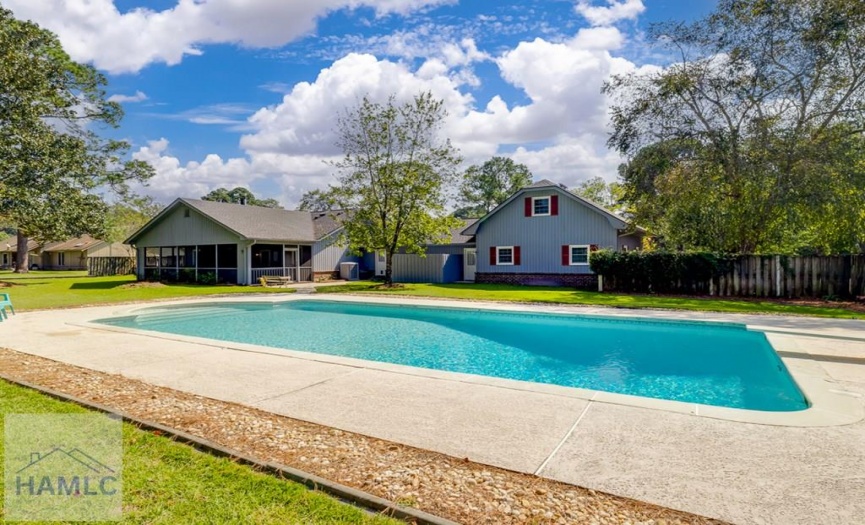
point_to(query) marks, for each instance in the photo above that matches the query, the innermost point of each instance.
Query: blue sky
(226, 93)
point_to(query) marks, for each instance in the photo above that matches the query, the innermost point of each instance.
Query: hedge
(658, 271)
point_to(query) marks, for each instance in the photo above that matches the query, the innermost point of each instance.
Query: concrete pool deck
(674, 454)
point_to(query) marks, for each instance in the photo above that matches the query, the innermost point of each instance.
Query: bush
(658, 271)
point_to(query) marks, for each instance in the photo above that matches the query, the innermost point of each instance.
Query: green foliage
(394, 176)
(599, 191)
(750, 141)
(52, 164)
(488, 185)
(239, 196)
(315, 200)
(125, 217)
(657, 271)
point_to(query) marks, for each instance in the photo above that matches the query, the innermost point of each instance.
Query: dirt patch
(142, 284)
(450, 487)
(6, 284)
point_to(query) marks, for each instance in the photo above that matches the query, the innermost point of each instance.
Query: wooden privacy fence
(776, 276)
(100, 266)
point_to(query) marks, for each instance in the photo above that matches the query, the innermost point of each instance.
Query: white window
(505, 255)
(540, 206)
(381, 257)
(61, 259)
(579, 254)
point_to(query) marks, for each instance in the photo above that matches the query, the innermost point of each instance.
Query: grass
(168, 482)
(41, 289)
(561, 295)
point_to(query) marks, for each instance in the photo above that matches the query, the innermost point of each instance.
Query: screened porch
(293, 261)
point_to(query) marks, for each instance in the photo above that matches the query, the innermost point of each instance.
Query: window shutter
(554, 205)
(528, 206)
(492, 255)
(593, 247)
(566, 255)
(516, 255)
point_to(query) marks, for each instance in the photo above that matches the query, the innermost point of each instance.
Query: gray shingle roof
(11, 244)
(457, 236)
(256, 222)
(327, 222)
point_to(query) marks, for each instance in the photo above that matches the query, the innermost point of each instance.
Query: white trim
(498, 256)
(571, 247)
(549, 199)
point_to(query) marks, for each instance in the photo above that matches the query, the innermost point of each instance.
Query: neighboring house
(70, 254)
(9, 247)
(203, 241)
(544, 234)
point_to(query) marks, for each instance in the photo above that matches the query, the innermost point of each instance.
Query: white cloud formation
(96, 31)
(139, 96)
(614, 11)
(559, 131)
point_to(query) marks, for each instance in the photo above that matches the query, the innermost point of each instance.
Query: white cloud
(560, 130)
(139, 96)
(96, 31)
(614, 11)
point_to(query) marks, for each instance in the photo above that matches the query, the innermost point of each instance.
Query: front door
(291, 263)
(470, 263)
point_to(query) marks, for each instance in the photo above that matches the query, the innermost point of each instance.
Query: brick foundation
(573, 280)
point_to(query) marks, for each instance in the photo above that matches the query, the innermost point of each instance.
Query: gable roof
(72, 245)
(256, 222)
(457, 235)
(11, 244)
(615, 221)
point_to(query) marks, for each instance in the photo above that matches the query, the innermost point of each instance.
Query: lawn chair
(4, 302)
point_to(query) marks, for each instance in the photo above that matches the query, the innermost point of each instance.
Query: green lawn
(40, 289)
(560, 295)
(167, 482)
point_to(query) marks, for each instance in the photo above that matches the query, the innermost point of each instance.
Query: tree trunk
(388, 269)
(22, 257)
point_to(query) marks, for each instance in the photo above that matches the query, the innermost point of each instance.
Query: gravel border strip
(447, 486)
(311, 481)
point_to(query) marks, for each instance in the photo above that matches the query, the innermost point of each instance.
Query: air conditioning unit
(350, 271)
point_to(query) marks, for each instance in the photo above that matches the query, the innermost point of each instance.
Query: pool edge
(830, 404)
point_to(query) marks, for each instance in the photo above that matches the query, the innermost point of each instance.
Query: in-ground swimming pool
(707, 363)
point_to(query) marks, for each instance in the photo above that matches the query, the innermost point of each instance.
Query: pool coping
(831, 404)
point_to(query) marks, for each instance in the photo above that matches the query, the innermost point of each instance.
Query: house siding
(434, 268)
(540, 238)
(327, 255)
(176, 230)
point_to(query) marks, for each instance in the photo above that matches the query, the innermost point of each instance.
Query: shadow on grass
(99, 285)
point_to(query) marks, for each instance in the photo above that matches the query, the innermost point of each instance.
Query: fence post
(600, 283)
(777, 276)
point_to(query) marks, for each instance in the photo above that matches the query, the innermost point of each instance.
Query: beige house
(73, 254)
(9, 247)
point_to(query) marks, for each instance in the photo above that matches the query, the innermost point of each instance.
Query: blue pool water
(712, 364)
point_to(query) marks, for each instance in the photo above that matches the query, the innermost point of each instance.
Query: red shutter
(516, 255)
(554, 205)
(492, 255)
(566, 255)
(528, 206)
(593, 248)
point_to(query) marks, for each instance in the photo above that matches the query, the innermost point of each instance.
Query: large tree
(53, 164)
(487, 185)
(315, 200)
(749, 126)
(394, 176)
(607, 194)
(126, 217)
(240, 196)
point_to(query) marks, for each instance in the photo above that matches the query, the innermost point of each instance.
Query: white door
(380, 263)
(470, 262)
(291, 263)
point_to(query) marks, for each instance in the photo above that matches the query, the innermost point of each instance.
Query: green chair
(4, 302)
